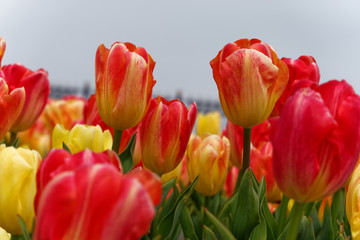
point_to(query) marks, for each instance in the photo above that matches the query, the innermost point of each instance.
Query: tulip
(208, 123)
(59, 161)
(37, 90)
(66, 112)
(17, 186)
(4, 235)
(164, 134)
(124, 83)
(2, 48)
(176, 173)
(353, 204)
(303, 72)
(250, 79)
(81, 137)
(316, 141)
(11, 104)
(93, 202)
(230, 182)
(208, 158)
(261, 164)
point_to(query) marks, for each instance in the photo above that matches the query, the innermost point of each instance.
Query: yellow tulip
(208, 123)
(4, 235)
(81, 137)
(353, 204)
(18, 169)
(208, 158)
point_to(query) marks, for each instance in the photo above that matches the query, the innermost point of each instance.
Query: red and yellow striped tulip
(124, 82)
(250, 79)
(11, 104)
(164, 134)
(208, 158)
(37, 90)
(316, 141)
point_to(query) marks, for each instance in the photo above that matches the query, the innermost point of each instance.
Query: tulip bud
(81, 137)
(316, 141)
(2, 48)
(208, 158)
(208, 123)
(250, 79)
(124, 83)
(11, 104)
(164, 134)
(37, 90)
(17, 186)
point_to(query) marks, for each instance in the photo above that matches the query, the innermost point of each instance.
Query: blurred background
(181, 36)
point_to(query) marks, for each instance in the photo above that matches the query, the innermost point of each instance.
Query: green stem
(207, 205)
(12, 138)
(295, 218)
(117, 140)
(246, 154)
(282, 214)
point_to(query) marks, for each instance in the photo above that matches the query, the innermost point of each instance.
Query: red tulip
(37, 90)
(11, 103)
(124, 83)
(93, 202)
(59, 160)
(164, 134)
(250, 79)
(2, 48)
(316, 141)
(303, 72)
(92, 117)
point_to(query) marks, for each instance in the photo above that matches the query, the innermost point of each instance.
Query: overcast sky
(182, 36)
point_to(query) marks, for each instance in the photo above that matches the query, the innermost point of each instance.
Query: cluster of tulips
(124, 165)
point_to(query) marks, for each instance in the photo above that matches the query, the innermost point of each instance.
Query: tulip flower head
(124, 83)
(37, 90)
(208, 123)
(81, 137)
(250, 79)
(11, 104)
(353, 204)
(316, 141)
(164, 134)
(208, 158)
(18, 169)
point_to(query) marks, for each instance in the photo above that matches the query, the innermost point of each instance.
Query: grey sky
(182, 36)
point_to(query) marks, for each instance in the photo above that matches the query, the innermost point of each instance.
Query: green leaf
(166, 187)
(223, 231)
(126, 156)
(337, 208)
(314, 215)
(208, 234)
(187, 225)
(16, 143)
(259, 232)
(168, 222)
(306, 230)
(328, 230)
(24, 230)
(280, 215)
(228, 206)
(66, 148)
(246, 210)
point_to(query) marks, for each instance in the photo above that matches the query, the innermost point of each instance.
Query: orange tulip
(2, 48)
(124, 83)
(250, 79)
